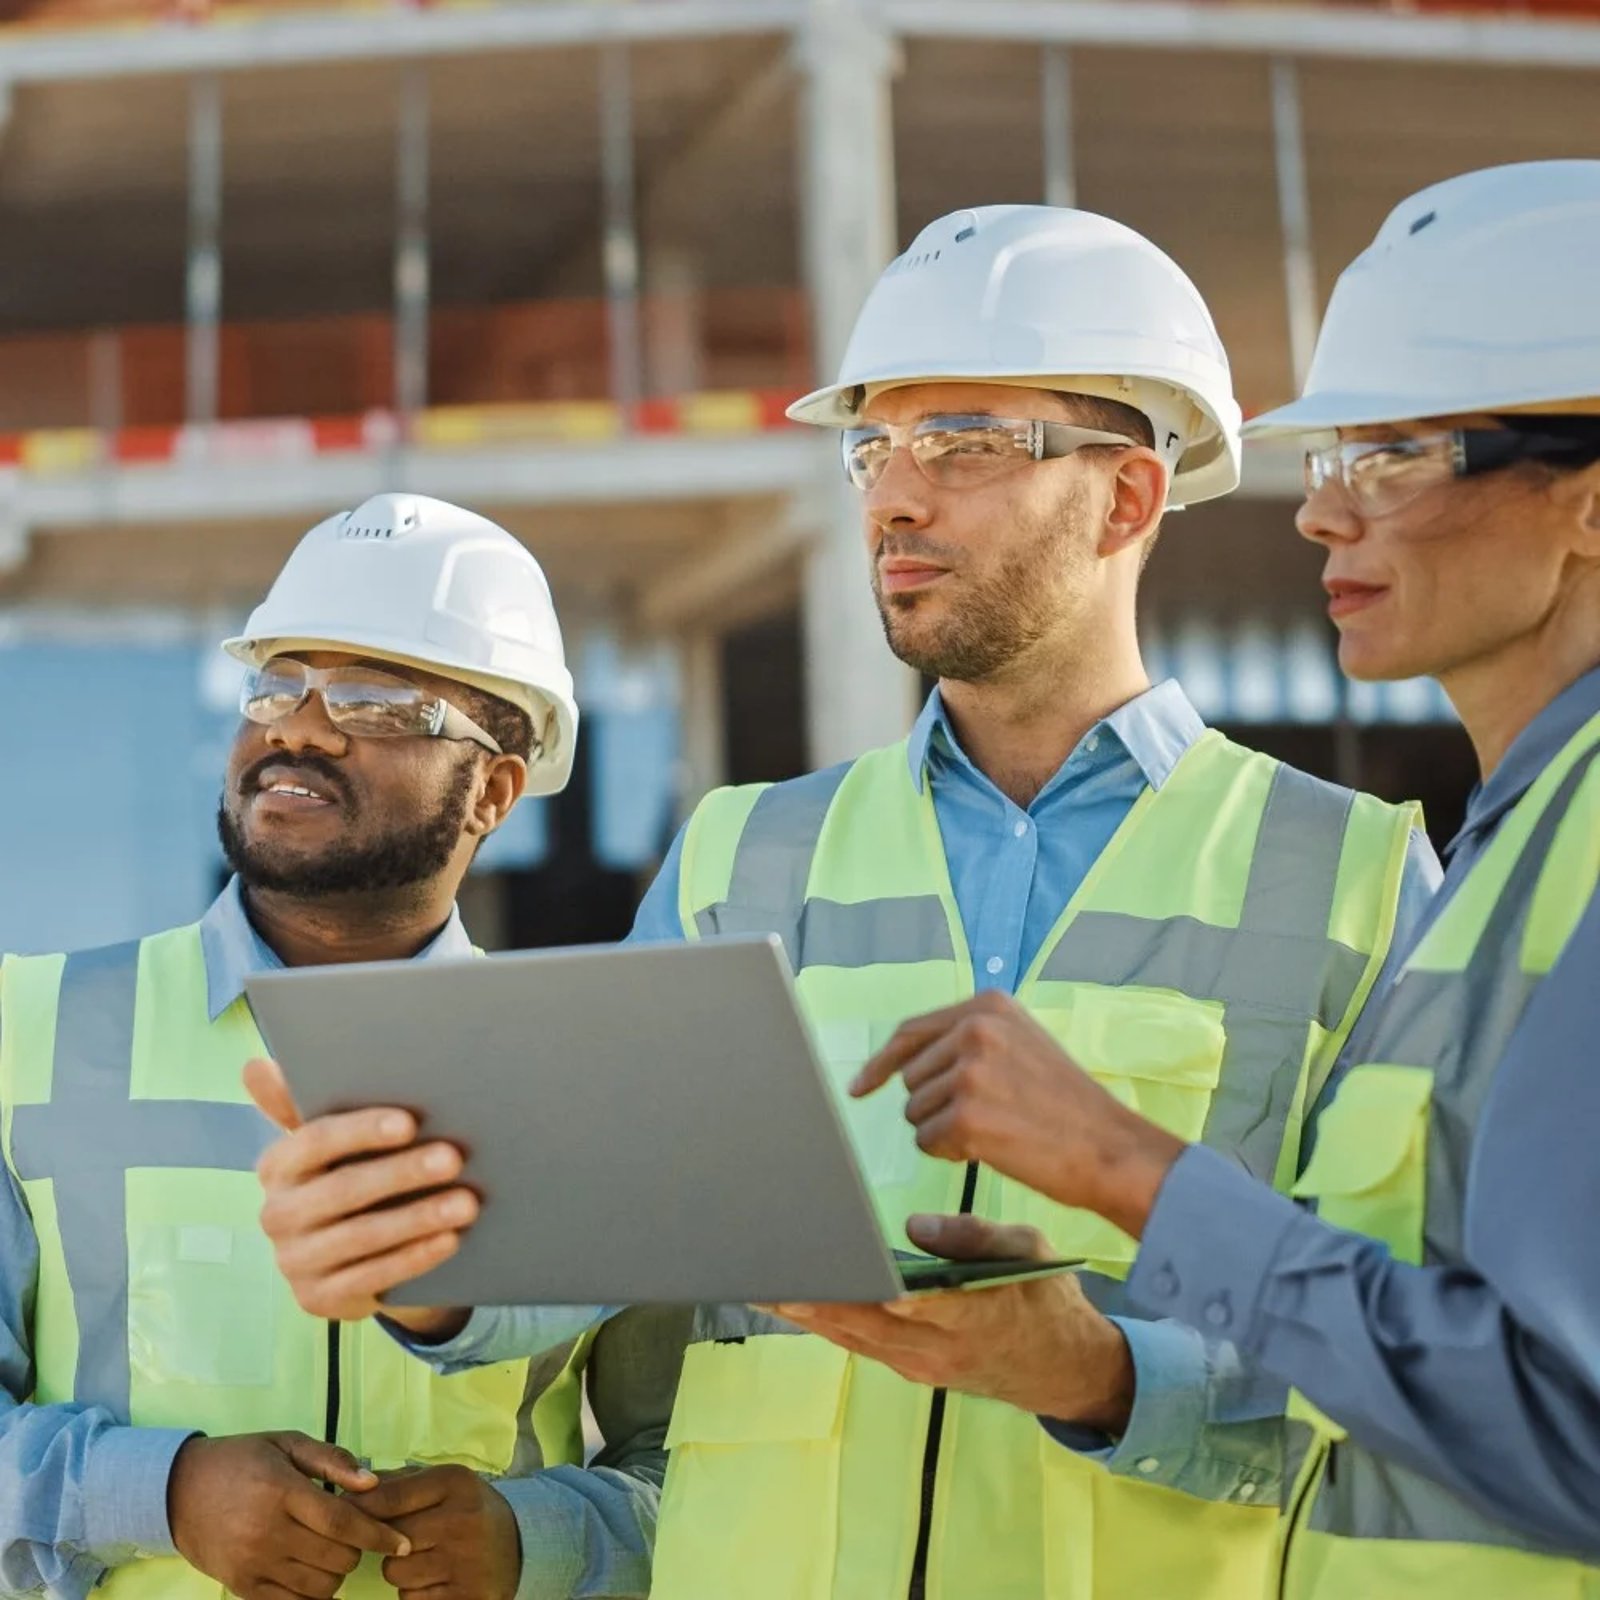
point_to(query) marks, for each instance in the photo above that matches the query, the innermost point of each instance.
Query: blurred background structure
(566, 261)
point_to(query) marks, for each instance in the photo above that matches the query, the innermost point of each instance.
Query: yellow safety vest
(123, 1119)
(1391, 1158)
(1206, 971)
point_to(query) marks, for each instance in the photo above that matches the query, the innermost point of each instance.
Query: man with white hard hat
(1026, 392)
(166, 1409)
(1437, 1309)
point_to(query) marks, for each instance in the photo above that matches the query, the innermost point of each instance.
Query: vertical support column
(1055, 103)
(620, 243)
(1294, 212)
(857, 694)
(203, 279)
(411, 268)
(705, 755)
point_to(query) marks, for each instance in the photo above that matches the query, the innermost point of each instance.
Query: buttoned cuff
(1210, 1246)
(125, 1492)
(1169, 1405)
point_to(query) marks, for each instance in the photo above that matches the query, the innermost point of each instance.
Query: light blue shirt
(1483, 1376)
(1013, 870)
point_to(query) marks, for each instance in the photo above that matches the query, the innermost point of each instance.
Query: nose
(901, 498)
(1327, 517)
(308, 727)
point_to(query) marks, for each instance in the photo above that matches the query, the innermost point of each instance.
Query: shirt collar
(1156, 729)
(233, 950)
(1531, 752)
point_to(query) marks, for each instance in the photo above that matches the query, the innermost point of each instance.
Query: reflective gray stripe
(1284, 972)
(1457, 1024)
(772, 862)
(1294, 874)
(872, 932)
(1370, 1498)
(1272, 977)
(91, 1133)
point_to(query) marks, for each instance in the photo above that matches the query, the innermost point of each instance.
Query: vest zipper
(330, 1424)
(1299, 1506)
(930, 1451)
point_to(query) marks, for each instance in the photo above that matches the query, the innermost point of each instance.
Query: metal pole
(857, 694)
(203, 280)
(620, 241)
(1055, 92)
(1294, 211)
(411, 287)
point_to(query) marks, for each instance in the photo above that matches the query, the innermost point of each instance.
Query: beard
(998, 617)
(404, 856)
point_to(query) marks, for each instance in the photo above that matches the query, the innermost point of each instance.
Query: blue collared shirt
(1013, 870)
(1485, 1376)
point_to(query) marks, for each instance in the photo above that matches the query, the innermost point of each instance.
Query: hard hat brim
(1322, 413)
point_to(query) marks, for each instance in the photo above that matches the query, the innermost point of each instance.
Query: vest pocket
(754, 1441)
(203, 1289)
(1157, 1053)
(1368, 1172)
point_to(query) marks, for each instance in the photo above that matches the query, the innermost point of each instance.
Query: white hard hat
(1048, 298)
(1478, 294)
(418, 581)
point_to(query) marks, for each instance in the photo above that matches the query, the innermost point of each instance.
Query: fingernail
(929, 1227)
(458, 1208)
(441, 1158)
(405, 1548)
(395, 1125)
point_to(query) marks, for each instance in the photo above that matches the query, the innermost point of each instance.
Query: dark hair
(1111, 416)
(510, 726)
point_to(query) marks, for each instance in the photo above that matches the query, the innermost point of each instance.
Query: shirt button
(1218, 1313)
(1166, 1283)
(1020, 829)
(1245, 1491)
(1147, 1465)
(994, 965)
(1092, 743)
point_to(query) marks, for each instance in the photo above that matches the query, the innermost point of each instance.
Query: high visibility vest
(124, 1121)
(1392, 1154)
(1206, 972)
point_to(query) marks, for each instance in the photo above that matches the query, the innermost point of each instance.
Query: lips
(281, 786)
(899, 573)
(1346, 596)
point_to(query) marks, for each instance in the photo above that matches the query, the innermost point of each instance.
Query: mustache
(308, 763)
(899, 546)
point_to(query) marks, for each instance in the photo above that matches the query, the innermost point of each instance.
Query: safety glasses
(1380, 476)
(360, 700)
(956, 452)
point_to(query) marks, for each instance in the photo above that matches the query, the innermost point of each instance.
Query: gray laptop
(644, 1123)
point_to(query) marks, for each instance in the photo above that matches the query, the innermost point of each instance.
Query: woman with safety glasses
(1436, 1310)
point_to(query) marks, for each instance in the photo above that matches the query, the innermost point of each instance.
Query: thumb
(328, 1462)
(969, 1238)
(270, 1091)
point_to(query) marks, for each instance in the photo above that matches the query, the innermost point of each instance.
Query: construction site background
(566, 261)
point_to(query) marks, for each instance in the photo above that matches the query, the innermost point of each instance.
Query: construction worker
(166, 1410)
(1026, 392)
(1439, 1315)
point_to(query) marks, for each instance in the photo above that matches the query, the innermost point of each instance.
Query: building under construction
(566, 262)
